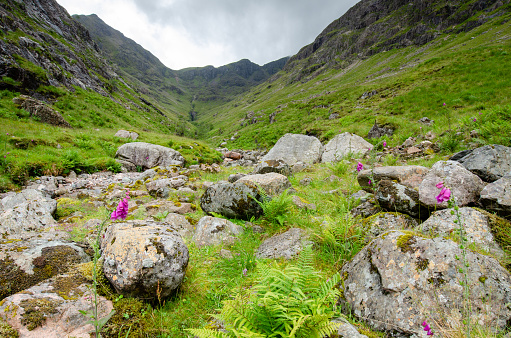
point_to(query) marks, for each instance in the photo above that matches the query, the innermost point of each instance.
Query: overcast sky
(196, 33)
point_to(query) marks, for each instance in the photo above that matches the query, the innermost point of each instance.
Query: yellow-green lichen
(37, 310)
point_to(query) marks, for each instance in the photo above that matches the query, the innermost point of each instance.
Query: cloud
(186, 33)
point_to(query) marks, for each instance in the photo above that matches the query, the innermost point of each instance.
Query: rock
(305, 181)
(382, 222)
(464, 185)
(409, 175)
(233, 155)
(24, 263)
(293, 148)
(232, 200)
(302, 204)
(226, 254)
(272, 183)
(234, 177)
(214, 231)
(161, 188)
(344, 144)
(409, 142)
(26, 211)
(378, 131)
(286, 245)
(490, 162)
(365, 209)
(393, 196)
(181, 224)
(141, 257)
(51, 308)
(399, 277)
(496, 196)
(361, 195)
(41, 111)
(346, 330)
(126, 134)
(272, 166)
(146, 156)
(333, 116)
(477, 225)
(426, 121)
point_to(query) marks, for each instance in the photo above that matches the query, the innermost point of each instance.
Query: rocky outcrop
(342, 145)
(496, 197)
(393, 196)
(383, 222)
(141, 257)
(214, 231)
(295, 148)
(41, 111)
(272, 166)
(490, 162)
(147, 155)
(272, 183)
(286, 245)
(409, 175)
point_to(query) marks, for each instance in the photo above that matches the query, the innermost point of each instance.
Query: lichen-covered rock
(51, 308)
(382, 222)
(26, 211)
(465, 187)
(179, 222)
(126, 134)
(234, 177)
(399, 279)
(141, 257)
(302, 204)
(24, 263)
(272, 166)
(408, 175)
(232, 200)
(161, 188)
(294, 148)
(346, 330)
(342, 145)
(286, 245)
(366, 209)
(272, 183)
(147, 155)
(490, 162)
(477, 227)
(496, 196)
(393, 196)
(214, 231)
(40, 110)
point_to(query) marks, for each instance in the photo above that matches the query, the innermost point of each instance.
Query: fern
(289, 303)
(275, 208)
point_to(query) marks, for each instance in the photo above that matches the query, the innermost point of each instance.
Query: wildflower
(427, 328)
(440, 185)
(370, 183)
(384, 144)
(480, 113)
(444, 195)
(360, 166)
(147, 157)
(444, 104)
(245, 272)
(122, 209)
(475, 119)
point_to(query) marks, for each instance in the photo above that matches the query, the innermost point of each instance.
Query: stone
(286, 245)
(215, 231)
(382, 222)
(393, 196)
(378, 131)
(51, 308)
(234, 177)
(126, 134)
(272, 166)
(400, 279)
(302, 204)
(365, 209)
(161, 188)
(272, 183)
(233, 155)
(232, 200)
(344, 144)
(477, 227)
(408, 175)
(147, 155)
(426, 121)
(346, 330)
(490, 162)
(293, 148)
(226, 254)
(465, 186)
(361, 196)
(41, 111)
(181, 224)
(305, 181)
(143, 257)
(28, 210)
(409, 142)
(496, 197)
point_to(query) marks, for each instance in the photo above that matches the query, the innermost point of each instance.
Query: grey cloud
(262, 30)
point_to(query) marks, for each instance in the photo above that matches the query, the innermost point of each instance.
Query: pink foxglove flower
(360, 166)
(370, 183)
(384, 144)
(122, 209)
(427, 328)
(440, 185)
(444, 195)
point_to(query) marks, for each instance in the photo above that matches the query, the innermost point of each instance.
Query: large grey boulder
(496, 196)
(399, 280)
(214, 231)
(141, 257)
(295, 148)
(271, 183)
(382, 222)
(465, 187)
(126, 134)
(28, 210)
(342, 145)
(490, 162)
(147, 155)
(408, 175)
(51, 308)
(477, 227)
(162, 187)
(286, 245)
(232, 200)
(272, 166)
(396, 197)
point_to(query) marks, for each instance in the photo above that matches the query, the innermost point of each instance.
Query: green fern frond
(208, 333)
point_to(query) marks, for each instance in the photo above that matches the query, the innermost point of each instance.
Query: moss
(436, 281)
(6, 330)
(130, 315)
(65, 207)
(36, 311)
(422, 264)
(483, 279)
(104, 286)
(405, 241)
(66, 286)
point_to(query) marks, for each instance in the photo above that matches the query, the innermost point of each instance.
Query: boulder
(286, 245)
(272, 183)
(347, 330)
(344, 144)
(272, 166)
(143, 257)
(378, 131)
(234, 177)
(126, 134)
(51, 308)
(490, 162)
(365, 209)
(214, 231)
(294, 148)
(302, 204)
(496, 196)
(393, 196)
(147, 155)
(382, 222)
(232, 200)
(161, 187)
(181, 224)
(465, 187)
(41, 111)
(233, 155)
(408, 175)
(399, 280)
(26, 211)
(477, 225)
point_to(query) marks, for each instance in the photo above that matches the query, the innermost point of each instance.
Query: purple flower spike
(384, 144)
(360, 166)
(475, 119)
(440, 185)
(427, 328)
(444, 104)
(245, 272)
(370, 183)
(444, 195)
(122, 209)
